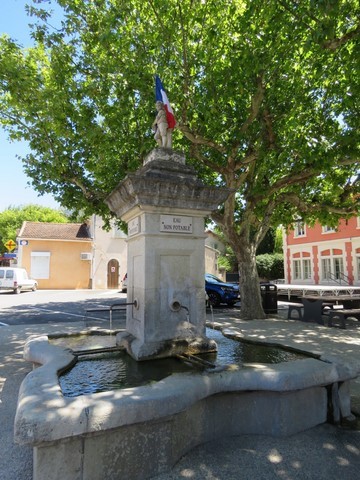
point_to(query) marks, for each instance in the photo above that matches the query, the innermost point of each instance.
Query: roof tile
(55, 231)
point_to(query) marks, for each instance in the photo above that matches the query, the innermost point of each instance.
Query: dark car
(221, 292)
(124, 284)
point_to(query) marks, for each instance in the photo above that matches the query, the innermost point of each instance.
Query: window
(40, 265)
(299, 229)
(297, 269)
(302, 269)
(306, 269)
(325, 268)
(358, 267)
(327, 229)
(338, 268)
(332, 268)
(9, 274)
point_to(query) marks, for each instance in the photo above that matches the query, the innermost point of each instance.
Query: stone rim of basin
(41, 403)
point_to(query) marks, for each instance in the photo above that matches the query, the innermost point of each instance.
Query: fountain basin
(139, 432)
(102, 366)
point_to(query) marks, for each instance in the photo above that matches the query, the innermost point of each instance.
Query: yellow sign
(10, 245)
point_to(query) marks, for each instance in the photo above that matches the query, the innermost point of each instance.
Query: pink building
(322, 255)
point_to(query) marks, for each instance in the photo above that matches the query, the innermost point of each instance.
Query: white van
(16, 279)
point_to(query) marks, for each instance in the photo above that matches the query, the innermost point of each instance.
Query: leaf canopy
(12, 219)
(266, 95)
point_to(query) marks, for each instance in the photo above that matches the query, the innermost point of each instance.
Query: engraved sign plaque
(134, 226)
(176, 224)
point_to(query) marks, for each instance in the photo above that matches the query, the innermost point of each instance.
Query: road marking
(57, 311)
(83, 316)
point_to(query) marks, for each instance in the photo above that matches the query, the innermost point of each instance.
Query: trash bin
(269, 297)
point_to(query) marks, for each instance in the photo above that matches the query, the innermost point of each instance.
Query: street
(67, 306)
(60, 306)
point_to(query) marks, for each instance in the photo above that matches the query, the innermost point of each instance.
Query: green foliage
(266, 95)
(270, 266)
(224, 263)
(257, 89)
(267, 244)
(228, 260)
(12, 219)
(278, 246)
(272, 243)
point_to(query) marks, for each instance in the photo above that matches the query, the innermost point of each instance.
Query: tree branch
(185, 67)
(331, 44)
(292, 179)
(314, 207)
(194, 151)
(270, 135)
(198, 139)
(303, 176)
(334, 43)
(300, 18)
(255, 103)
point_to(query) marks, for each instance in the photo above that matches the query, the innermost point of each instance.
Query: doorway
(113, 274)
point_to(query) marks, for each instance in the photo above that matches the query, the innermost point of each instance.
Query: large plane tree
(266, 96)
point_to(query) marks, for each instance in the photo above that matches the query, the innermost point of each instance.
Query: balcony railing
(339, 278)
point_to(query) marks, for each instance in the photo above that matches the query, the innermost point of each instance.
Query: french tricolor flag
(161, 96)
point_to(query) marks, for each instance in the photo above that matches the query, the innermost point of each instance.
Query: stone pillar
(164, 205)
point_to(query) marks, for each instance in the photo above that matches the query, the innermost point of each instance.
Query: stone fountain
(164, 205)
(139, 432)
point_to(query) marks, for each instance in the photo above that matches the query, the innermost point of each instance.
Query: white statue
(163, 134)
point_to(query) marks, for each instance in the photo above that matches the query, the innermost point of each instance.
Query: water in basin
(109, 371)
(84, 342)
(233, 351)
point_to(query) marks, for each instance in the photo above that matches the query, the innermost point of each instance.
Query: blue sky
(15, 190)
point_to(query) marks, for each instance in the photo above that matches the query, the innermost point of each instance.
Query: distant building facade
(73, 255)
(84, 256)
(213, 248)
(57, 255)
(322, 255)
(109, 262)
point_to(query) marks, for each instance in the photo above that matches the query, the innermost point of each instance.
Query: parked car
(124, 284)
(16, 279)
(221, 292)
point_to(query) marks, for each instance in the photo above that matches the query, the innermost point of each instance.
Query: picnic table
(313, 307)
(348, 301)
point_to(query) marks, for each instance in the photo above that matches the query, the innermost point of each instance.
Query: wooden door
(113, 274)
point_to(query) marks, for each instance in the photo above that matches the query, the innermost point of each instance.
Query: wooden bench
(311, 310)
(342, 315)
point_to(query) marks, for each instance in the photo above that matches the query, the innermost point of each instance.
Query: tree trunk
(251, 303)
